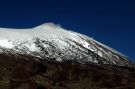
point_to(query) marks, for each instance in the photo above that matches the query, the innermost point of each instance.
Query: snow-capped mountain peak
(52, 41)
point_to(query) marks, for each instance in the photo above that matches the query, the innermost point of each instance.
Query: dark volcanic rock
(27, 72)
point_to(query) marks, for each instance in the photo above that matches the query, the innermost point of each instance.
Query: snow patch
(6, 43)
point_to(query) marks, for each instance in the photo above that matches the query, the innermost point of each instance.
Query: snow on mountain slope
(52, 41)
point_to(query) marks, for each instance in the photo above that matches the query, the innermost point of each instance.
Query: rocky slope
(28, 72)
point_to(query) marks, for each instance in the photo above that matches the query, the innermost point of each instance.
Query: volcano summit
(53, 42)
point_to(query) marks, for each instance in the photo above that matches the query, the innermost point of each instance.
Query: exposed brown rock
(25, 72)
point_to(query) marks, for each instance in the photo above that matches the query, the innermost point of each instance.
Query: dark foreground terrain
(25, 72)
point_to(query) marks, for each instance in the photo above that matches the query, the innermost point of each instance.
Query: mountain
(52, 42)
(50, 57)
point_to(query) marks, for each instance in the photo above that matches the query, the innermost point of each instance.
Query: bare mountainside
(28, 72)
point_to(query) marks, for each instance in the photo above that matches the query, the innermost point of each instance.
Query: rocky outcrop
(27, 72)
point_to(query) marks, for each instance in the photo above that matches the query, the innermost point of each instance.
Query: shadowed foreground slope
(27, 72)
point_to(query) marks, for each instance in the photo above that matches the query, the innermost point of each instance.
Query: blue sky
(111, 22)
